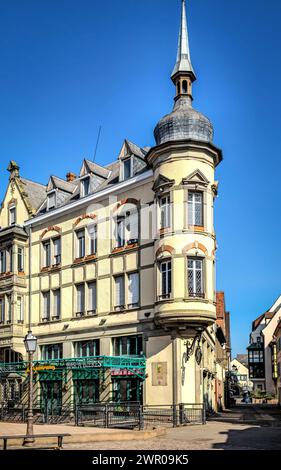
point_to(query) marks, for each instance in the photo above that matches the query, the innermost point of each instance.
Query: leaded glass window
(195, 208)
(195, 277)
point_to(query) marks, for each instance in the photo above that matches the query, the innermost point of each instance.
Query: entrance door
(86, 392)
(52, 397)
(127, 390)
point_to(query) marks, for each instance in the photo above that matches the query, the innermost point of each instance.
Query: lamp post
(30, 343)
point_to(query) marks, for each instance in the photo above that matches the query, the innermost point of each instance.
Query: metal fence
(135, 415)
(112, 415)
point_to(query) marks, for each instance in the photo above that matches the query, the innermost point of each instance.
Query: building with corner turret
(113, 269)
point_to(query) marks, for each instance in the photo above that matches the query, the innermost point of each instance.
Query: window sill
(164, 230)
(50, 320)
(54, 267)
(21, 273)
(5, 275)
(196, 228)
(124, 248)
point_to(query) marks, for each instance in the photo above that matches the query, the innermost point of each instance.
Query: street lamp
(30, 343)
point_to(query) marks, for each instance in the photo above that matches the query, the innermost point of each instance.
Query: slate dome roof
(184, 122)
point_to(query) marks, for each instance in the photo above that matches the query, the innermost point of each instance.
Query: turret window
(165, 211)
(195, 208)
(184, 86)
(195, 277)
(166, 279)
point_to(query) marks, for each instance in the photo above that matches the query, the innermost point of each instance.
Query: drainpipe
(175, 377)
(29, 278)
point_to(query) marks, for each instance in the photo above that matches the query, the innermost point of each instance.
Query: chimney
(70, 177)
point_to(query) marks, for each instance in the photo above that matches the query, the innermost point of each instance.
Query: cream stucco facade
(152, 289)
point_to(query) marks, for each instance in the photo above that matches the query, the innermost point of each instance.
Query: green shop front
(65, 383)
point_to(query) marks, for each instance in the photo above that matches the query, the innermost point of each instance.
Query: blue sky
(69, 66)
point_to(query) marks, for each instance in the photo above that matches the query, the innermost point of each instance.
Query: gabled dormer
(132, 160)
(58, 191)
(91, 177)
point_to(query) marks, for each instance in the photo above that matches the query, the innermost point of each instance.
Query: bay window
(165, 279)
(20, 259)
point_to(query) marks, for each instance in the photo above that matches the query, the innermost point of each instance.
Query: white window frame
(3, 261)
(56, 294)
(165, 295)
(20, 256)
(128, 159)
(82, 183)
(47, 263)
(20, 309)
(194, 271)
(92, 300)
(2, 309)
(78, 254)
(92, 231)
(49, 195)
(133, 297)
(118, 304)
(192, 203)
(164, 211)
(79, 310)
(46, 313)
(12, 209)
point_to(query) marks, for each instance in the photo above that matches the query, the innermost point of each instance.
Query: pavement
(78, 435)
(247, 427)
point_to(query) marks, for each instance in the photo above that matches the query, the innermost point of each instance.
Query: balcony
(10, 279)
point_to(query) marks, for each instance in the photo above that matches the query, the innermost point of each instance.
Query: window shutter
(57, 303)
(80, 298)
(57, 247)
(132, 226)
(92, 296)
(133, 284)
(119, 285)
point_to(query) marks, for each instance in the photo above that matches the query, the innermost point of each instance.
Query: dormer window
(12, 215)
(127, 168)
(85, 187)
(51, 201)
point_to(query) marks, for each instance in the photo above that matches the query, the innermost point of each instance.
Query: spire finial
(183, 64)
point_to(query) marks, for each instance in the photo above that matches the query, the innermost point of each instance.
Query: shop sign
(122, 372)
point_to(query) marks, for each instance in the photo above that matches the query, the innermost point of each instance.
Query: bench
(59, 436)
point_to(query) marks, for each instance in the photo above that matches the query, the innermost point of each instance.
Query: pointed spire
(183, 64)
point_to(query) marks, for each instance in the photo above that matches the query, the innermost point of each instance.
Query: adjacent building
(113, 269)
(241, 371)
(262, 354)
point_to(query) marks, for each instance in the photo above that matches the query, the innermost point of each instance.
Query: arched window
(184, 86)
(179, 88)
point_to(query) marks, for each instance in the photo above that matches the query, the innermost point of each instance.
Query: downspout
(29, 278)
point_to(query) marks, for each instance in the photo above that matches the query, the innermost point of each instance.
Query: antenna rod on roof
(97, 144)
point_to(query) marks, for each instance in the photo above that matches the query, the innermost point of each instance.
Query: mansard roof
(101, 177)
